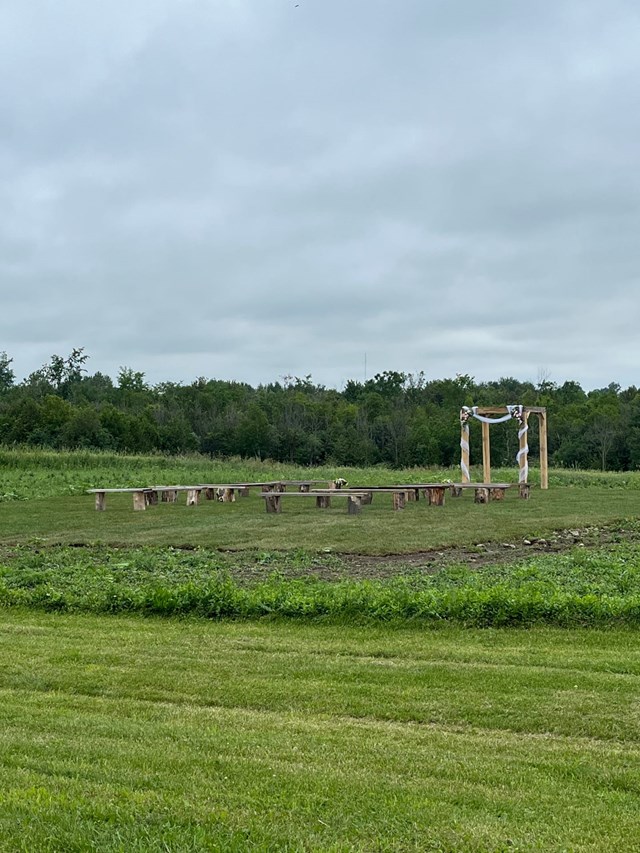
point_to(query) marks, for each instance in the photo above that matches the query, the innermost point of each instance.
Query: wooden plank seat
(147, 495)
(273, 500)
(483, 492)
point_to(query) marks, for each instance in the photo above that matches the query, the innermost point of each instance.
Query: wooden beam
(523, 446)
(464, 451)
(486, 453)
(544, 460)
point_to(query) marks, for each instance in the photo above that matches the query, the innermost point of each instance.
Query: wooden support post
(486, 454)
(544, 460)
(411, 494)
(482, 495)
(464, 452)
(399, 500)
(244, 492)
(367, 498)
(354, 504)
(436, 497)
(228, 496)
(101, 501)
(456, 491)
(193, 497)
(210, 494)
(323, 502)
(525, 491)
(151, 497)
(139, 501)
(273, 503)
(170, 496)
(524, 461)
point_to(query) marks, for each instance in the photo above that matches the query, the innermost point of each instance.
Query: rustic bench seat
(485, 492)
(355, 499)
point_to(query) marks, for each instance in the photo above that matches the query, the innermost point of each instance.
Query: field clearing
(129, 734)
(350, 706)
(378, 530)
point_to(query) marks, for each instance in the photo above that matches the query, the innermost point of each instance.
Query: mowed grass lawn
(378, 530)
(129, 734)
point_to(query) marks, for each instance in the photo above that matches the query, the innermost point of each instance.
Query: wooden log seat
(355, 500)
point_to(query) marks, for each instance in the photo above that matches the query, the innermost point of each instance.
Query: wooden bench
(484, 492)
(273, 500)
(147, 495)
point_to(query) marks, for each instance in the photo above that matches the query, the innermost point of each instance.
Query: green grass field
(351, 703)
(128, 734)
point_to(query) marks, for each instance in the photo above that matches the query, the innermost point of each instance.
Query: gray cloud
(247, 189)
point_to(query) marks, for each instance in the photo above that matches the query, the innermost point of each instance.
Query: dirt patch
(366, 566)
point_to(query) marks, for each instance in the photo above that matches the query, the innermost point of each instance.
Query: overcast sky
(244, 189)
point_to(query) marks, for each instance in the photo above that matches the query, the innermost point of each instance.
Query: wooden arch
(521, 414)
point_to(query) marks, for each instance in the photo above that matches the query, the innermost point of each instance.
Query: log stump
(456, 491)
(497, 494)
(101, 501)
(273, 503)
(139, 501)
(411, 495)
(323, 502)
(210, 494)
(170, 496)
(399, 500)
(354, 504)
(482, 496)
(436, 497)
(193, 497)
(228, 496)
(367, 499)
(525, 491)
(151, 497)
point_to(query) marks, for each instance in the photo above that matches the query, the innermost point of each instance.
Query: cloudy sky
(244, 189)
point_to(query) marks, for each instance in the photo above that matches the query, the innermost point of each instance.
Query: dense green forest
(394, 418)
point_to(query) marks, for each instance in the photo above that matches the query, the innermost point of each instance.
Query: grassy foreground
(124, 734)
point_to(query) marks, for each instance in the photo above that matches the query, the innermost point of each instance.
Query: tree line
(398, 419)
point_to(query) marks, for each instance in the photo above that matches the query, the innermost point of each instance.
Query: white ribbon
(464, 445)
(523, 452)
(473, 411)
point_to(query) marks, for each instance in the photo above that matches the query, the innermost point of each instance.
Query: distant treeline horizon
(395, 418)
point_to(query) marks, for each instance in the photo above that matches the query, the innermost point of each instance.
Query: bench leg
(456, 491)
(482, 496)
(304, 487)
(193, 497)
(151, 497)
(367, 499)
(525, 491)
(101, 501)
(436, 497)
(273, 503)
(497, 494)
(244, 493)
(139, 501)
(411, 494)
(399, 500)
(323, 502)
(229, 496)
(354, 504)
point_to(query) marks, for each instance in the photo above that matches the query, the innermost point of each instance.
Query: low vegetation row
(584, 587)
